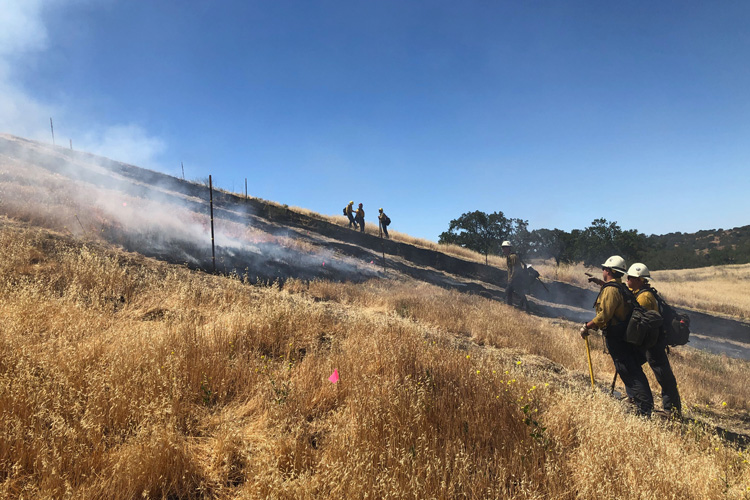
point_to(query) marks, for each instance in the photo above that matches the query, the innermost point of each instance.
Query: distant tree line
(485, 233)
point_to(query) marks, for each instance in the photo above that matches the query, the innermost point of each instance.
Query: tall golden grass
(122, 377)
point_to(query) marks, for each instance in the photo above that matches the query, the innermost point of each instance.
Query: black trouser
(517, 287)
(628, 361)
(385, 229)
(659, 363)
(361, 223)
(352, 221)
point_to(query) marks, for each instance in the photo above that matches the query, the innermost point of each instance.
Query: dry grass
(575, 274)
(121, 377)
(718, 289)
(46, 199)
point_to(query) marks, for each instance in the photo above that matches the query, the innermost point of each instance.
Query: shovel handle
(591, 368)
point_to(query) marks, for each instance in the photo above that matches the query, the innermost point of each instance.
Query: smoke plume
(158, 216)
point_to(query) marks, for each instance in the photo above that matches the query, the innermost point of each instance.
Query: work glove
(596, 280)
(584, 331)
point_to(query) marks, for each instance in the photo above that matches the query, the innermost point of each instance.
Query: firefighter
(612, 314)
(349, 211)
(639, 283)
(383, 220)
(516, 276)
(360, 218)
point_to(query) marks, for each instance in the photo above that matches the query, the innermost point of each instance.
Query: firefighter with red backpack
(612, 314)
(638, 277)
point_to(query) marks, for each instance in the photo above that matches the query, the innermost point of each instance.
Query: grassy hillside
(124, 377)
(703, 248)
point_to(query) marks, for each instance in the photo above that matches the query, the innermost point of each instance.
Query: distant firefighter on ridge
(384, 221)
(360, 218)
(349, 212)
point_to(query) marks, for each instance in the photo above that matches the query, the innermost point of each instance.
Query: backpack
(643, 326)
(386, 220)
(531, 273)
(344, 210)
(676, 325)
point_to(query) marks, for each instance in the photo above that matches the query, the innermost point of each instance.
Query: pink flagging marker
(334, 376)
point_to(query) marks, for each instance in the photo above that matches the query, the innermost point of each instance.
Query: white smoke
(22, 35)
(129, 143)
(21, 29)
(160, 216)
(24, 41)
(163, 224)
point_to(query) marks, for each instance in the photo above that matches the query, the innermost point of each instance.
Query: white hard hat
(616, 263)
(639, 270)
(506, 243)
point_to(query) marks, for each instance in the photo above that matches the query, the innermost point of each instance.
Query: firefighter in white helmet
(516, 276)
(612, 315)
(638, 279)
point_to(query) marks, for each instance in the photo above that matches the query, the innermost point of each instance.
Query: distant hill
(709, 247)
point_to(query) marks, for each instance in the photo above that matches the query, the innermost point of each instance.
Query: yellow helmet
(351, 203)
(380, 209)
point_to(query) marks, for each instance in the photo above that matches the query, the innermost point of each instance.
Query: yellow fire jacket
(610, 307)
(646, 298)
(514, 266)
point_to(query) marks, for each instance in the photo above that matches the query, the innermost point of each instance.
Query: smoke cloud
(158, 216)
(24, 41)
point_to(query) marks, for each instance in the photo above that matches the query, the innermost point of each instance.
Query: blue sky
(554, 112)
